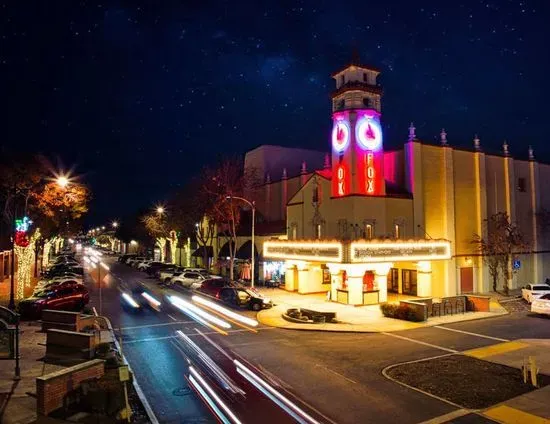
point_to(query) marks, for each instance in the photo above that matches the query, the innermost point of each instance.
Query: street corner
(463, 381)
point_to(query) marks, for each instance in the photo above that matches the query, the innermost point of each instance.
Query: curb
(286, 327)
(150, 414)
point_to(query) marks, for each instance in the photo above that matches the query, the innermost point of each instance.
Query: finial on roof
(443, 137)
(268, 178)
(284, 174)
(327, 161)
(505, 148)
(477, 144)
(412, 134)
(531, 153)
(304, 168)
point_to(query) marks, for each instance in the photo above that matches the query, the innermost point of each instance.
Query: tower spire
(412, 133)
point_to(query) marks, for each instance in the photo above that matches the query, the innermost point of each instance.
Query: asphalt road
(334, 377)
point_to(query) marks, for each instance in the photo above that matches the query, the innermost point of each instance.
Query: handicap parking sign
(516, 264)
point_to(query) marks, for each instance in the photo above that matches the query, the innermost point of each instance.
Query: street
(333, 377)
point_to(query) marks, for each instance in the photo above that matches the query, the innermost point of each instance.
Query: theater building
(364, 221)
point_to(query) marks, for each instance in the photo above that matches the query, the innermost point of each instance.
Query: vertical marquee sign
(368, 134)
(341, 138)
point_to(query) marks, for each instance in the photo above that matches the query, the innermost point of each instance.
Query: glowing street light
(62, 181)
(160, 210)
(114, 224)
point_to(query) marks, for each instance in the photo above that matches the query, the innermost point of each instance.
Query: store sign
(370, 171)
(392, 252)
(340, 134)
(341, 175)
(306, 251)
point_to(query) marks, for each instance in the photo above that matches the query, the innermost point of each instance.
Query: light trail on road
(199, 315)
(222, 310)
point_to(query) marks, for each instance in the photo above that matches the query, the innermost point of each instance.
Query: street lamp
(62, 181)
(160, 210)
(114, 224)
(252, 204)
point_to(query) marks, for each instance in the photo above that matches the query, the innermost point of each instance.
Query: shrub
(402, 311)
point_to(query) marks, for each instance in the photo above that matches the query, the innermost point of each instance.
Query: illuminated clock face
(340, 135)
(368, 133)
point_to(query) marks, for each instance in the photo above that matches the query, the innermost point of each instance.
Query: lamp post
(252, 204)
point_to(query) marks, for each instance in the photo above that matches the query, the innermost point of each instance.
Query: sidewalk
(352, 319)
(532, 407)
(18, 398)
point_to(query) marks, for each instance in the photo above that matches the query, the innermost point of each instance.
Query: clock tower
(357, 143)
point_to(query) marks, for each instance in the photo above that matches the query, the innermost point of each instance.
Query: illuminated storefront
(365, 221)
(358, 272)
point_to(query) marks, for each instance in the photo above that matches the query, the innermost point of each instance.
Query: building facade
(362, 221)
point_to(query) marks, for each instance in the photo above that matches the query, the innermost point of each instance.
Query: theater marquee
(361, 252)
(304, 251)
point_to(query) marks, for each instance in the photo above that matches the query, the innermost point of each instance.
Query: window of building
(409, 278)
(366, 102)
(293, 231)
(521, 184)
(318, 231)
(369, 231)
(342, 79)
(397, 231)
(364, 76)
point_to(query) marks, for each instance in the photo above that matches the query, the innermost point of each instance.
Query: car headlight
(266, 300)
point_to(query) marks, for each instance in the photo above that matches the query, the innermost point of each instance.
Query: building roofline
(355, 65)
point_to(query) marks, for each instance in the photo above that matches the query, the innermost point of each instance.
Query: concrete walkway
(365, 319)
(18, 398)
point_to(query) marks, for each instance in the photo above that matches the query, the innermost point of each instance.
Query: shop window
(393, 280)
(521, 185)
(409, 278)
(326, 276)
(368, 281)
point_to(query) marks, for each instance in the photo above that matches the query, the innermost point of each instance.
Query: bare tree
(504, 241)
(220, 184)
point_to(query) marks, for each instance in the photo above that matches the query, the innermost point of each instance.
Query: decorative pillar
(291, 275)
(534, 188)
(424, 279)
(268, 194)
(481, 275)
(303, 174)
(450, 283)
(381, 280)
(355, 275)
(413, 181)
(284, 193)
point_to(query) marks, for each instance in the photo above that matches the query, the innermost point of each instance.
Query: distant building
(362, 222)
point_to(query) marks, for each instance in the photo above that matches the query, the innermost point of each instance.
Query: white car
(143, 265)
(166, 274)
(541, 305)
(533, 291)
(189, 279)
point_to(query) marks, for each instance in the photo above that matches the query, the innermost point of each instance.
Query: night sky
(139, 95)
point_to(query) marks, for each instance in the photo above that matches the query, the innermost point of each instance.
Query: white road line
(336, 373)
(155, 325)
(152, 339)
(448, 417)
(172, 317)
(419, 342)
(471, 334)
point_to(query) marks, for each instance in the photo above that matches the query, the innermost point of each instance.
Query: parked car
(212, 286)
(143, 265)
(241, 297)
(155, 266)
(541, 305)
(55, 281)
(166, 274)
(534, 291)
(188, 279)
(135, 259)
(124, 258)
(66, 298)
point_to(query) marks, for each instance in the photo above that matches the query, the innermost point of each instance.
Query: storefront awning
(244, 252)
(199, 253)
(224, 251)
